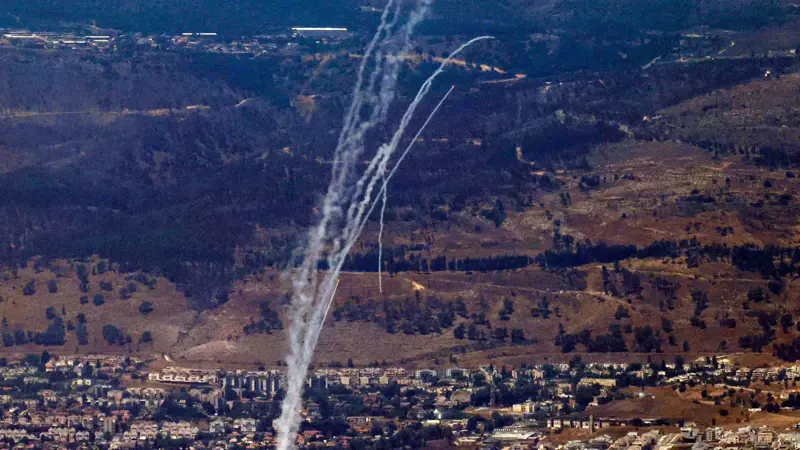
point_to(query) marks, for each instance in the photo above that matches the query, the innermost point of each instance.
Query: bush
(700, 300)
(98, 299)
(125, 293)
(113, 335)
(776, 286)
(84, 299)
(666, 325)
(101, 267)
(52, 286)
(500, 333)
(29, 288)
(146, 308)
(756, 294)
(106, 286)
(698, 322)
(147, 336)
(54, 335)
(83, 273)
(82, 330)
(460, 331)
(508, 309)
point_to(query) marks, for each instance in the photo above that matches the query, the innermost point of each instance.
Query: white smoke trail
(327, 309)
(384, 196)
(375, 99)
(356, 217)
(360, 226)
(403, 156)
(384, 188)
(381, 160)
(337, 231)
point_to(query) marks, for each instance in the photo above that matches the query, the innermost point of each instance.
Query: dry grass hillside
(169, 317)
(642, 192)
(703, 184)
(746, 119)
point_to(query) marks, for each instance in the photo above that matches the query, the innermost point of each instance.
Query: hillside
(635, 302)
(630, 197)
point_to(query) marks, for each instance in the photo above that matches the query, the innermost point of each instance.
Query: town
(121, 402)
(112, 41)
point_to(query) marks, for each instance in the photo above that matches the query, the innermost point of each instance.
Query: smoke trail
(345, 204)
(385, 152)
(357, 219)
(327, 309)
(384, 188)
(403, 156)
(370, 105)
(384, 195)
(360, 226)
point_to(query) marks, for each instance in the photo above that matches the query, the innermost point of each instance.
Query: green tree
(472, 332)
(459, 332)
(666, 325)
(146, 308)
(29, 288)
(508, 309)
(500, 333)
(113, 335)
(756, 294)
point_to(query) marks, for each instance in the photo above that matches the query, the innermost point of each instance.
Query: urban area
(108, 42)
(119, 402)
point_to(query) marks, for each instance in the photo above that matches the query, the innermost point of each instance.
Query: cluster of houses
(184, 376)
(689, 436)
(54, 40)
(112, 402)
(201, 41)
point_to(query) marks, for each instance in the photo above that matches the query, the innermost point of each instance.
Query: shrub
(756, 295)
(776, 286)
(125, 293)
(54, 335)
(698, 322)
(146, 308)
(113, 335)
(98, 299)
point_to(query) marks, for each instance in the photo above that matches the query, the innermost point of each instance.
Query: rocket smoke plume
(349, 200)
